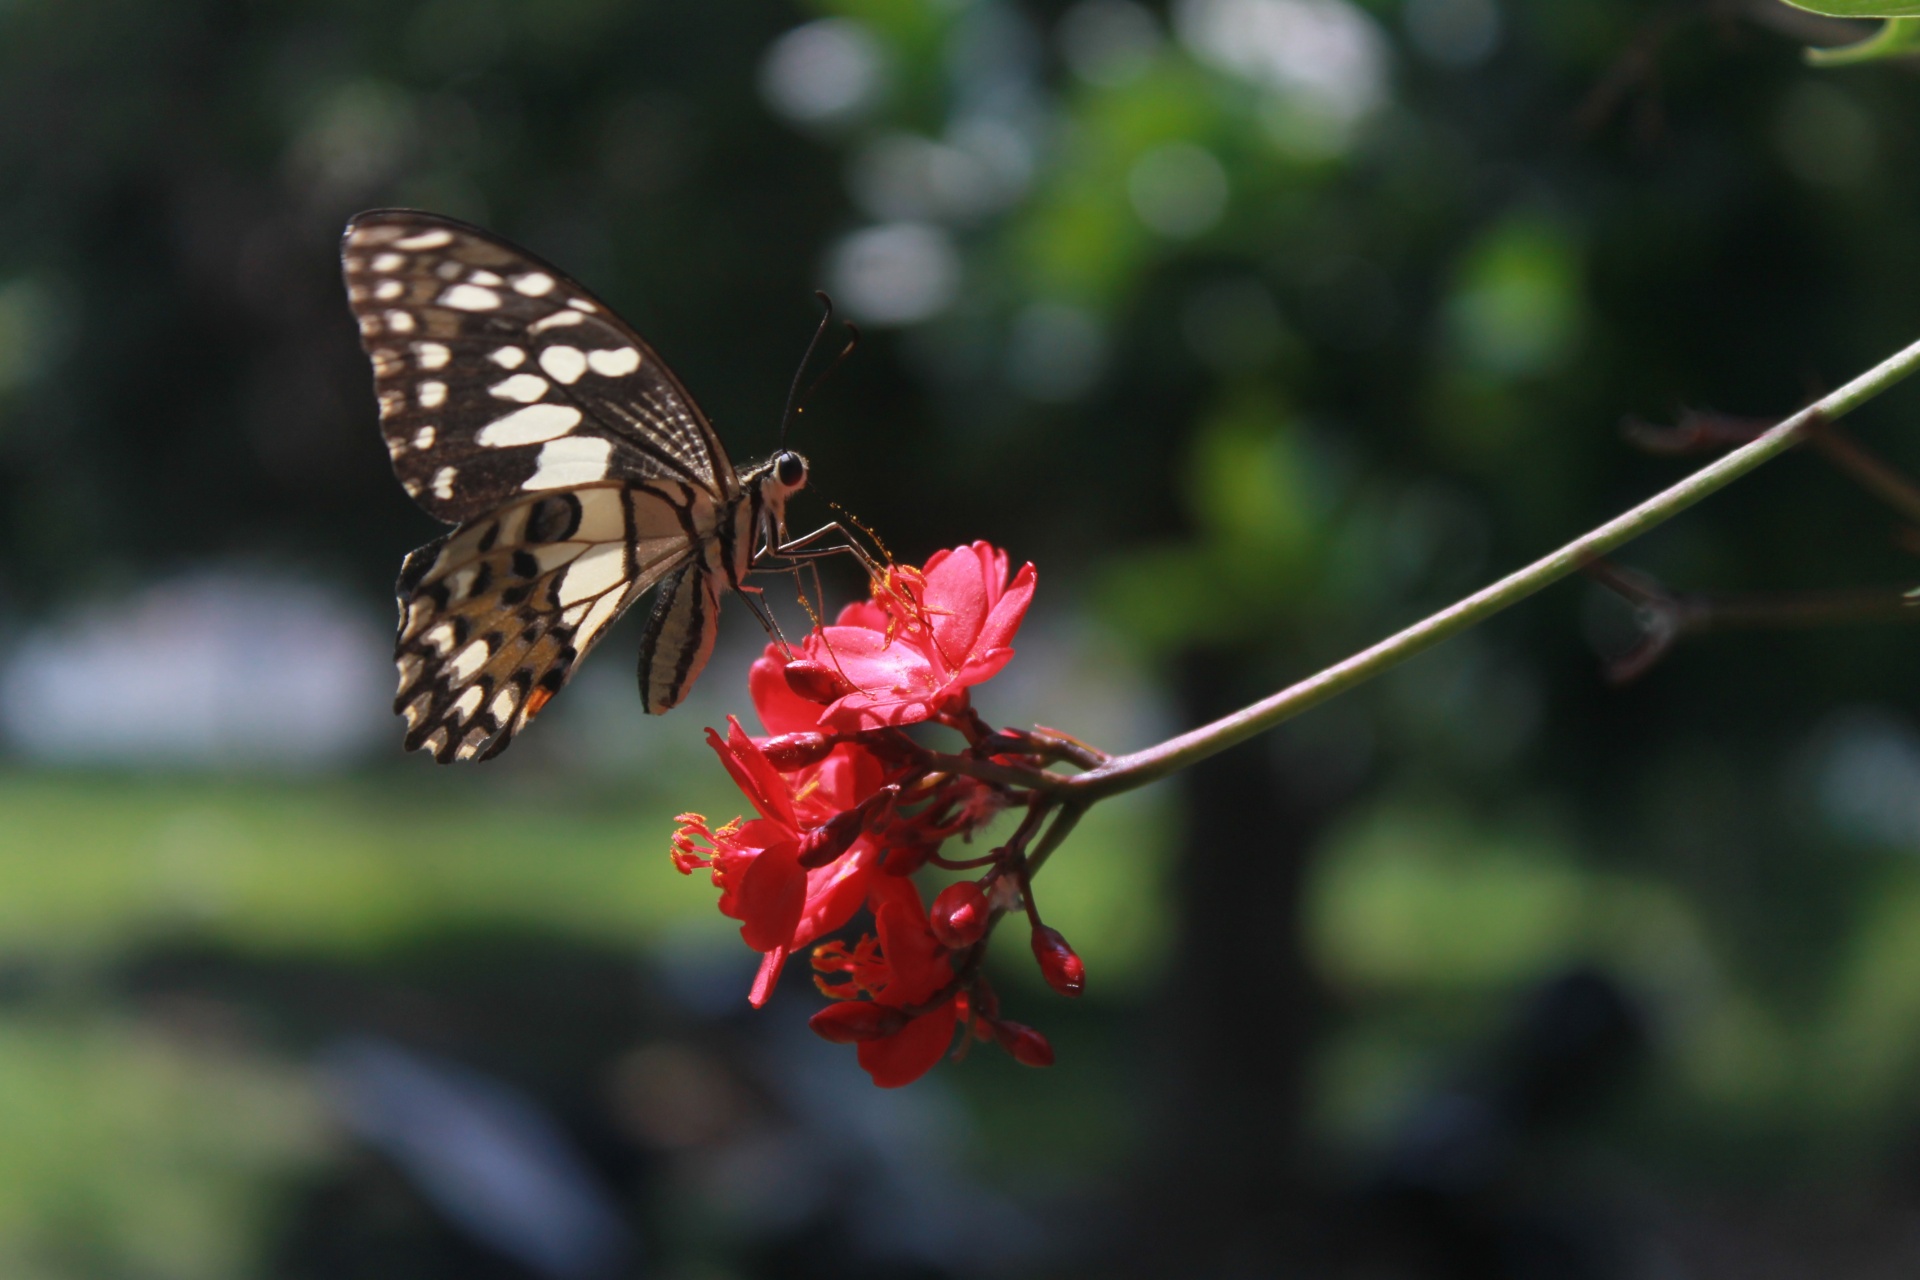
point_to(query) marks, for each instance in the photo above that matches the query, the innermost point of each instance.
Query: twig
(1124, 773)
(1703, 432)
(1667, 617)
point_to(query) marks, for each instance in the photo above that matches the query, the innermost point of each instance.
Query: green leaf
(1898, 36)
(1860, 8)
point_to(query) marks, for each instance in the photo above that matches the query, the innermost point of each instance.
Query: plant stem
(1124, 773)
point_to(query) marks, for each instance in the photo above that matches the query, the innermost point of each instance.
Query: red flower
(782, 904)
(912, 653)
(848, 808)
(904, 968)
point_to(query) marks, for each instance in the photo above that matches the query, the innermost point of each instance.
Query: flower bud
(814, 681)
(831, 838)
(790, 751)
(1028, 1047)
(959, 915)
(851, 1021)
(1064, 971)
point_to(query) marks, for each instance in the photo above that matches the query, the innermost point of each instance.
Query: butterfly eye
(791, 470)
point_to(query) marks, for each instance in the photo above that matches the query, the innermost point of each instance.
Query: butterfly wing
(679, 636)
(497, 375)
(580, 471)
(496, 615)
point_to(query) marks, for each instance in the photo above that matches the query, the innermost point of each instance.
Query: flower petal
(910, 1052)
(768, 977)
(917, 962)
(1008, 611)
(956, 602)
(757, 779)
(772, 895)
(836, 891)
(781, 710)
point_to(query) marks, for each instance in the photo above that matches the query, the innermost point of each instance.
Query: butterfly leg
(754, 598)
(806, 547)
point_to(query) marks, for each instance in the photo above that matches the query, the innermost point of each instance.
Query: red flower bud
(831, 838)
(814, 681)
(959, 915)
(1064, 971)
(1028, 1047)
(792, 751)
(851, 1021)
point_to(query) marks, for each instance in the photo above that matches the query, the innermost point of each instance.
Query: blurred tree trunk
(1221, 1191)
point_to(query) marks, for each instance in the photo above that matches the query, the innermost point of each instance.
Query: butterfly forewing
(497, 375)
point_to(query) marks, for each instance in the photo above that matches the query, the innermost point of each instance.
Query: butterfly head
(787, 472)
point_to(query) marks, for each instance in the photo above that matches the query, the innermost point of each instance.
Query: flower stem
(1124, 773)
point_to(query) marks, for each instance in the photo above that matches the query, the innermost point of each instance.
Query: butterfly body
(578, 470)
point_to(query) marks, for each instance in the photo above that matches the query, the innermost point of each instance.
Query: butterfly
(578, 471)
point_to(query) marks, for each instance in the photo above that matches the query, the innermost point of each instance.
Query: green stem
(1124, 773)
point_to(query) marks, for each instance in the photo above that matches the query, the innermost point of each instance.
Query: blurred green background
(1262, 327)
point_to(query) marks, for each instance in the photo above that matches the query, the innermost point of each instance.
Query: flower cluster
(850, 806)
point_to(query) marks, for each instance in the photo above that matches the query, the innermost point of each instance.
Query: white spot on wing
(389, 261)
(432, 394)
(470, 297)
(602, 614)
(570, 461)
(423, 438)
(425, 240)
(534, 284)
(440, 639)
(431, 355)
(531, 425)
(467, 703)
(617, 363)
(509, 357)
(581, 304)
(558, 320)
(566, 364)
(387, 290)
(468, 661)
(443, 483)
(487, 278)
(502, 707)
(593, 573)
(524, 387)
(399, 321)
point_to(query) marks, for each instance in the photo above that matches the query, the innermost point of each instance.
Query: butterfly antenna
(794, 398)
(853, 344)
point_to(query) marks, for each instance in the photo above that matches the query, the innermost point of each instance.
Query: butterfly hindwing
(498, 376)
(495, 616)
(679, 637)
